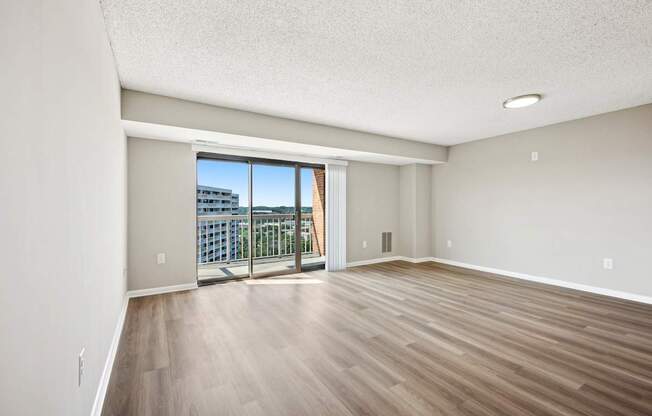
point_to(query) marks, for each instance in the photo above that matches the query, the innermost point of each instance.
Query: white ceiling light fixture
(522, 101)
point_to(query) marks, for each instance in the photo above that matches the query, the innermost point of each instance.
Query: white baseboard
(550, 281)
(159, 290)
(372, 261)
(108, 366)
(546, 280)
(113, 349)
(110, 358)
(417, 260)
(386, 259)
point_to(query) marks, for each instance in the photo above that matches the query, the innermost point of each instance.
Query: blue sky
(273, 185)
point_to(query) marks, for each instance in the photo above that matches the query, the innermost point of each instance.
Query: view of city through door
(284, 201)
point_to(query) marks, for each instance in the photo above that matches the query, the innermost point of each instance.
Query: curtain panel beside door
(335, 217)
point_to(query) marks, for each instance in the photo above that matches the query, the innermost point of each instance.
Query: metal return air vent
(387, 242)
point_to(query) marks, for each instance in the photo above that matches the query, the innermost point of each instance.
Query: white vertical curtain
(335, 217)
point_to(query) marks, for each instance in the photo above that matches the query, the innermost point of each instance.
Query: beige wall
(161, 213)
(62, 215)
(588, 197)
(372, 199)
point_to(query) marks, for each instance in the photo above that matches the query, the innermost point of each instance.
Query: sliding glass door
(284, 202)
(222, 219)
(274, 216)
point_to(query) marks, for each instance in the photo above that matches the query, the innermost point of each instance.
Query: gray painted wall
(372, 206)
(588, 197)
(415, 210)
(62, 216)
(423, 203)
(161, 213)
(408, 210)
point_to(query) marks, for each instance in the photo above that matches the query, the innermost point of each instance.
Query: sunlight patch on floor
(272, 281)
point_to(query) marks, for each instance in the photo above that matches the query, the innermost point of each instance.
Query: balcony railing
(273, 236)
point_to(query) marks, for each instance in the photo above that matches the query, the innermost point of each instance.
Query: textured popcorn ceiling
(434, 71)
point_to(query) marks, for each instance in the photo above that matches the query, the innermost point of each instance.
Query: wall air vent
(387, 242)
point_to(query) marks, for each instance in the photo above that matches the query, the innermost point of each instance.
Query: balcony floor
(239, 269)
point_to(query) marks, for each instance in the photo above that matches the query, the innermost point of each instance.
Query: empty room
(287, 208)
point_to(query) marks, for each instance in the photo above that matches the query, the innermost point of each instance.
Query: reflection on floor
(225, 270)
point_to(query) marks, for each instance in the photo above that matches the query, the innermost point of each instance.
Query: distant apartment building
(213, 237)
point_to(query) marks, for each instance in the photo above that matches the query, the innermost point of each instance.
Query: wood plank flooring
(388, 339)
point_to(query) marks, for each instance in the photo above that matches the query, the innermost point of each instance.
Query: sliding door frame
(251, 161)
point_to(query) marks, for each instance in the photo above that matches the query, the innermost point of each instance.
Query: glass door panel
(222, 220)
(313, 210)
(274, 219)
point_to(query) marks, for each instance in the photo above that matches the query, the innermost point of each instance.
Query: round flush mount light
(522, 101)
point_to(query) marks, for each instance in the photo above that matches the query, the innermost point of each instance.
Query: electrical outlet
(607, 263)
(81, 366)
(535, 156)
(449, 243)
(160, 258)
(364, 243)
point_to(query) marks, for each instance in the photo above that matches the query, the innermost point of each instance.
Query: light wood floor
(389, 339)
